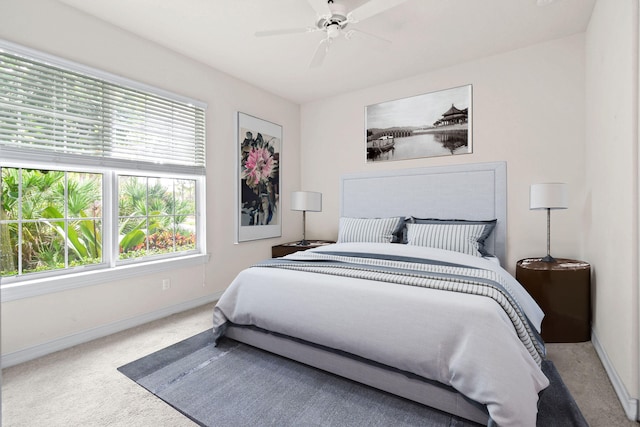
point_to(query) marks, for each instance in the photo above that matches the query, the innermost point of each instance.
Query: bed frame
(471, 191)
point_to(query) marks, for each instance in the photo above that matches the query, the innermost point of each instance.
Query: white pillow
(371, 230)
(460, 237)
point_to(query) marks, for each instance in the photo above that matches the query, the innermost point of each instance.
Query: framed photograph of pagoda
(433, 124)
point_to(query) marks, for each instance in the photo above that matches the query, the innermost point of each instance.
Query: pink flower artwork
(258, 167)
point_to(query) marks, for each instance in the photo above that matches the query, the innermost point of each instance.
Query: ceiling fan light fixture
(335, 23)
(333, 30)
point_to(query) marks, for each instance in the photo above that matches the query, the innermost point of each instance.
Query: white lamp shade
(553, 195)
(306, 201)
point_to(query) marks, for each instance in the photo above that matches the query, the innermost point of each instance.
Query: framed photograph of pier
(259, 151)
(433, 124)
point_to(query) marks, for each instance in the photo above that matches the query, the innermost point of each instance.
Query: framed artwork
(433, 124)
(259, 151)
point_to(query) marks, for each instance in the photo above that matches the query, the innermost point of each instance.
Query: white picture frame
(258, 202)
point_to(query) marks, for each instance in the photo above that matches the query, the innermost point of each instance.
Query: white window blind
(54, 114)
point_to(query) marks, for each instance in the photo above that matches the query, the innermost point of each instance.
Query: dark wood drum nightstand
(563, 291)
(289, 248)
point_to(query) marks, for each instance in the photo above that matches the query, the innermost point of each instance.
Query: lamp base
(548, 258)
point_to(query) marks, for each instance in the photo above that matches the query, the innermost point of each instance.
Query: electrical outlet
(166, 284)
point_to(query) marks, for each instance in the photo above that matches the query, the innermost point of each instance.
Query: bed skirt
(396, 382)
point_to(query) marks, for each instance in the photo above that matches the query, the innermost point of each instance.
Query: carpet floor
(235, 384)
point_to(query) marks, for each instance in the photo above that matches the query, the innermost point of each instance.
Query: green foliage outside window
(36, 234)
(155, 216)
(52, 220)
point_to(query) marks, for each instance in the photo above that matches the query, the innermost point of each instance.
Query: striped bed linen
(372, 230)
(423, 273)
(464, 237)
(460, 339)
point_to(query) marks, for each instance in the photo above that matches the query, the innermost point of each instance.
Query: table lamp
(549, 196)
(305, 201)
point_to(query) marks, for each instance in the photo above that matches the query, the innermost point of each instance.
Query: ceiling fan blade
(320, 53)
(364, 34)
(372, 8)
(284, 31)
(319, 7)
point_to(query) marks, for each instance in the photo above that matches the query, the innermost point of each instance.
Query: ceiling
(421, 36)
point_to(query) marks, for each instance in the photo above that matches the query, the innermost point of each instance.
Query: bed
(441, 325)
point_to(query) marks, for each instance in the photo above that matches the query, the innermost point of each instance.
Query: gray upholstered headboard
(476, 191)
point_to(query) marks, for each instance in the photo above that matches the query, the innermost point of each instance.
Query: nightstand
(289, 248)
(563, 290)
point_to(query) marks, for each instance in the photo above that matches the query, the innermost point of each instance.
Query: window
(50, 220)
(96, 171)
(155, 216)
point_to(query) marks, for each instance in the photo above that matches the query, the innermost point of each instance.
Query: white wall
(528, 109)
(611, 177)
(57, 29)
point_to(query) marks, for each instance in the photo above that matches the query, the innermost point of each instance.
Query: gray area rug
(234, 384)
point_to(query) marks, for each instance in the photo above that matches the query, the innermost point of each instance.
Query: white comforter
(466, 341)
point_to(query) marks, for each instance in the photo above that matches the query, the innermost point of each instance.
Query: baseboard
(629, 404)
(21, 356)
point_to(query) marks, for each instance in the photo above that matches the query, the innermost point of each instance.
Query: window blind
(60, 115)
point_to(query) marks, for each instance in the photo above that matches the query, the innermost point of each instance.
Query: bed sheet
(465, 341)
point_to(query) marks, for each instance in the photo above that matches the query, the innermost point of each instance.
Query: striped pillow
(454, 235)
(372, 230)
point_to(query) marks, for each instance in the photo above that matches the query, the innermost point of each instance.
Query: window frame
(21, 276)
(111, 269)
(116, 218)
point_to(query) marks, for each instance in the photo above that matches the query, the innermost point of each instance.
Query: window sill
(36, 287)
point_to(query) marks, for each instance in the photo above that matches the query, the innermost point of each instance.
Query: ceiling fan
(333, 19)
